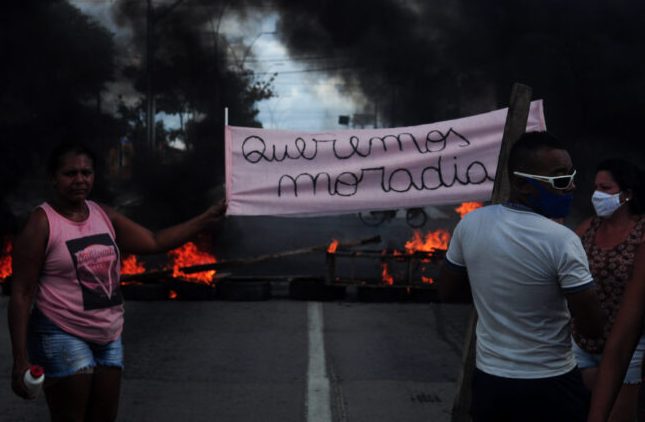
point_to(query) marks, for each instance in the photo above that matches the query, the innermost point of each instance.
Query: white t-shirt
(520, 264)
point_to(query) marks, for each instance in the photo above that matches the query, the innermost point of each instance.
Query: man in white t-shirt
(527, 276)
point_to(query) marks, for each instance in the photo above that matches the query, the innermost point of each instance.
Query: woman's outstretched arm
(135, 238)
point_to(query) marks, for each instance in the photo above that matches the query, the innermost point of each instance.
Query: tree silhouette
(56, 62)
(193, 78)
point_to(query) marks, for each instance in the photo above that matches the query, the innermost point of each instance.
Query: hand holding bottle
(21, 376)
(34, 378)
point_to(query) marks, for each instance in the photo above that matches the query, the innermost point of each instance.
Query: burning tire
(314, 289)
(423, 294)
(6, 286)
(187, 290)
(243, 290)
(144, 291)
(377, 293)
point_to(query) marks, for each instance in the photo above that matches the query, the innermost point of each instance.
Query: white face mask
(605, 204)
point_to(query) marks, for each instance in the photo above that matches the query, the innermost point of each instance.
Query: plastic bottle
(34, 378)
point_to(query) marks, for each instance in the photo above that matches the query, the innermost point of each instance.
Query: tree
(56, 62)
(194, 79)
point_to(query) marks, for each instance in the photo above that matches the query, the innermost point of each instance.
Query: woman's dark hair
(66, 148)
(628, 176)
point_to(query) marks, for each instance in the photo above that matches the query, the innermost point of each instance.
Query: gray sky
(306, 99)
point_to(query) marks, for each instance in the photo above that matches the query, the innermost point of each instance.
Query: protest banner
(278, 172)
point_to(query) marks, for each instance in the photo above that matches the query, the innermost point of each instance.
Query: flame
(130, 265)
(432, 240)
(467, 207)
(386, 277)
(426, 280)
(5, 259)
(188, 255)
(172, 295)
(332, 246)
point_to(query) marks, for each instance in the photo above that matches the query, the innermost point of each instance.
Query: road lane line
(317, 400)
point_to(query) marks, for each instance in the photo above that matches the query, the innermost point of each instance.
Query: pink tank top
(79, 283)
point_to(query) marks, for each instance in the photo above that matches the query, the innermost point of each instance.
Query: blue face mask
(548, 203)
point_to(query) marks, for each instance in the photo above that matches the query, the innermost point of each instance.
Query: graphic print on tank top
(95, 261)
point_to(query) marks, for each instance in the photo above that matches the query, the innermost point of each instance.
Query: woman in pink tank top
(66, 267)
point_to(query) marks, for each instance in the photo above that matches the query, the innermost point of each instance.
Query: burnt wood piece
(244, 290)
(154, 276)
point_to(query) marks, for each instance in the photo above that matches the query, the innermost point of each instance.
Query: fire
(130, 265)
(172, 295)
(427, 243)
(332, 246)
(467, 207)
(188, 255)
(386, 277)
(5, 259)
(432, 240)
(426, 280)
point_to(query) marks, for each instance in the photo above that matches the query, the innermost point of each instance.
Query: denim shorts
(634, 371)
(62, 354)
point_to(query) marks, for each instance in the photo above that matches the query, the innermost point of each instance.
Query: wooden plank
(514, 127)
(155, 275)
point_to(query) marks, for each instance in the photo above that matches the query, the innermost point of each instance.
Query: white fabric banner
(278, 172)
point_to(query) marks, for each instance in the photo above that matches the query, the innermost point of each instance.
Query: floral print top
(611, 270)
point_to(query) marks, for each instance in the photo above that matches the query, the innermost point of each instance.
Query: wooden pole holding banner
(515, 126)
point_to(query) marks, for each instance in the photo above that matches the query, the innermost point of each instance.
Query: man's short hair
(523, 152)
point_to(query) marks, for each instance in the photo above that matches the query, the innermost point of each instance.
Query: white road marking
(317, 400)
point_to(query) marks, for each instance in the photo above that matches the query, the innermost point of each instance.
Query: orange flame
(188, 255)
(332, 246)
(438, 239)
(426, 280)
(6, 268)
(386, 277)
(130, 265)
(172, 295)
(467, 207)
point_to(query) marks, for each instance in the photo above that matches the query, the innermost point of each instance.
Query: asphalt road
(278, 360)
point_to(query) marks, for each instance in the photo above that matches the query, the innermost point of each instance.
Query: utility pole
(150, 100)
(151, 109)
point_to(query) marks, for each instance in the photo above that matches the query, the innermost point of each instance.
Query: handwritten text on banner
(276, 172)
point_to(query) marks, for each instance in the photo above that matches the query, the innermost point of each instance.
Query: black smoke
(424, 61)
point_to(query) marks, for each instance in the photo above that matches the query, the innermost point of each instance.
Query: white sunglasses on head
(557, 182)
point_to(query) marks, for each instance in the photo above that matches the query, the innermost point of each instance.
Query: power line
(322, 69)
(294, 58)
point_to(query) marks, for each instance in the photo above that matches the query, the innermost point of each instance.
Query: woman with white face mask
(612, 240)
